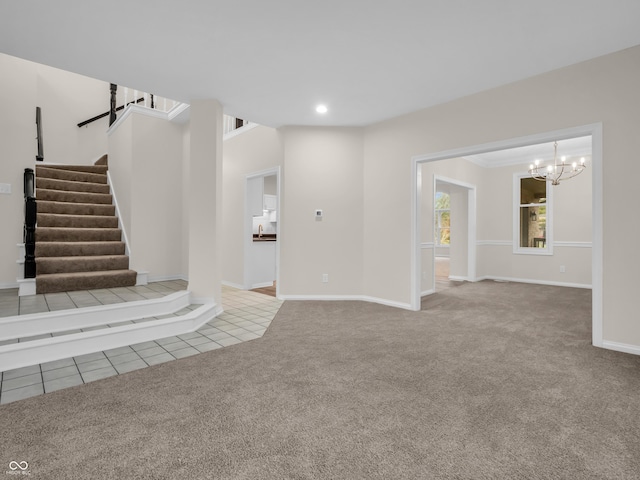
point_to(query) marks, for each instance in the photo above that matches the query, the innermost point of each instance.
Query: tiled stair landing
(51, 336)
(246, 316)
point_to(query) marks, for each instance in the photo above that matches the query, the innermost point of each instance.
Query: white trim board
(621, 347)
(340, 298)
(534, 281)
(17, 355)
(238, 131)
(114, 202)
(20, 326)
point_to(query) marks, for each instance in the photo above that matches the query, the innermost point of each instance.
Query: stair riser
(43, 172)
(83, 264)
(76, 221)
(73, 197)
(67, 186)
(60, 249)
(79, 282)
(49, 234)
(64, 208)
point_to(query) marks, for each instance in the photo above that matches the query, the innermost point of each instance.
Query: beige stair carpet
(78, 243)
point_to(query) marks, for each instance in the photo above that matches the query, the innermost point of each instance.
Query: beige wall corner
(205, 199)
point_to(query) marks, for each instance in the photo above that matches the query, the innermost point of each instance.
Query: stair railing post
(112, 108)
(30, 215)
(40, 155)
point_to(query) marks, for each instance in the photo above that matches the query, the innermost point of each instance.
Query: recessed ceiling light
(321, 109)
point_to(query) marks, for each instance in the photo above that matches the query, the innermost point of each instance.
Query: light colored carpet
(491, 381)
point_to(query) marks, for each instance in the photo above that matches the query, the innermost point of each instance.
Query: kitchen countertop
(266, 237)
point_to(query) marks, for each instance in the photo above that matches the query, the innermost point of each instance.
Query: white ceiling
(572, 148)
(272, 61)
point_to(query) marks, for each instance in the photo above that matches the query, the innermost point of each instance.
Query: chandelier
(561, 170)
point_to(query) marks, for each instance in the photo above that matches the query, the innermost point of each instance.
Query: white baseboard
(261, 285)
(536, 282)
(428, 292)
(456, 278)
(5, 286)
(233, 285)
(165, 278)
(360, 298)
(621, 347)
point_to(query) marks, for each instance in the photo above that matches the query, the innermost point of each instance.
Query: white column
(205, 198)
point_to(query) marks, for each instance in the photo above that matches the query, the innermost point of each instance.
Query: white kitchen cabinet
(270, 202)
(256, 196)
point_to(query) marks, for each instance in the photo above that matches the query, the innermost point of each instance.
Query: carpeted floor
(492, 380)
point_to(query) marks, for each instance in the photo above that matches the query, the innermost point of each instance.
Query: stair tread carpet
(45, 206)
(72, 197)
(64, 282)
(47, 265)
(78, 249)
(79, 168)
(76, 221)
(58, 174)
(65, 234)
(72, 186)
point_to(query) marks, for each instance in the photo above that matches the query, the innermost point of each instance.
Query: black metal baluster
(30, 215)
(40, 155)
(112, 109)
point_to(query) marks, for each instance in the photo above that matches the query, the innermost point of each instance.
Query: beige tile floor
(246, 316)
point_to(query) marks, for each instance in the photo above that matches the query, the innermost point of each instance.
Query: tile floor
(246, 317)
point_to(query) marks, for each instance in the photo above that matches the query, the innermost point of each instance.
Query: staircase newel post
(30, 215)
(112, 109)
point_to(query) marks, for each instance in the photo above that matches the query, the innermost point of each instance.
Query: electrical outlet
(562, 269)
(5, 188)
(325, 278)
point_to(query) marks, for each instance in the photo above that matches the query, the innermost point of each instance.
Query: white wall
(250, 152)
(601, 90)
(65, 100)
(145, 157)
(323, 170)
(18, 86)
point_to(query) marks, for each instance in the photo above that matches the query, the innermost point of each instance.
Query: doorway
(454, 212)
(262, 231)
(592, 130)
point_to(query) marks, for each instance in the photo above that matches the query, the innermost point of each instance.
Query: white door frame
(595, 130)
(471, 225)
(248, 225)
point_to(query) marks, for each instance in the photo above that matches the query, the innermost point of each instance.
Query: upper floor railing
(127, 96)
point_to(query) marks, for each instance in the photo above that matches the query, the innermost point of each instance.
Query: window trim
(517, 249)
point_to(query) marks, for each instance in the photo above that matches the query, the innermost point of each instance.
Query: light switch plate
(5, 188)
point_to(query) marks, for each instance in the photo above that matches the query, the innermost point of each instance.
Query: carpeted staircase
(78, 243)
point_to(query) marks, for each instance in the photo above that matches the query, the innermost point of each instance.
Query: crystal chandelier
(561, 170)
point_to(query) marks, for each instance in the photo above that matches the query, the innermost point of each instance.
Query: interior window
(533, 215)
